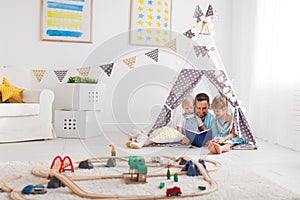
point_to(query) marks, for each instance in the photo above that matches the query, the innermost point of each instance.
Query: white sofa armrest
(31, 96)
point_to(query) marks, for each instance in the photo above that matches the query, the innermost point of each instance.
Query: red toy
(174, 191)
(62, 164)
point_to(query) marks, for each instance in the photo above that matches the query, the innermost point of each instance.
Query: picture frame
(150, 22)
(66, 20)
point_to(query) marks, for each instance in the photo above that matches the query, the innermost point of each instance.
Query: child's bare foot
(226, 147)
(211, 147)
(217, 147)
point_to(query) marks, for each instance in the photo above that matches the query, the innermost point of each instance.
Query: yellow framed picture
(150, 22)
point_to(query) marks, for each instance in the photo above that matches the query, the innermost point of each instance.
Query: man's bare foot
(185, 140)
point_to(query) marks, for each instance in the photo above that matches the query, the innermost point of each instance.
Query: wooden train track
(17, 195)
(78, 191)
(69, 181)
(5, 181)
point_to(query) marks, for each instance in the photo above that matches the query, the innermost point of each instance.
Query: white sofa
(31, 120)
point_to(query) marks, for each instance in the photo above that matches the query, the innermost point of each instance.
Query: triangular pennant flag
(198, 13)
(130, 62)
(209, 11)
(189, 34)
(203, 50)
(38, 73)
(172, 44)
(107, 68)
(60, 74)
(199, 50)
(153, 54)
(84, 71)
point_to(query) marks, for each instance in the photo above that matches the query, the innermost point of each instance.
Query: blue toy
(192, 169)
(34, 189)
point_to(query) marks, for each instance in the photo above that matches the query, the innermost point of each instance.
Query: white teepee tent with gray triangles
(201, 52)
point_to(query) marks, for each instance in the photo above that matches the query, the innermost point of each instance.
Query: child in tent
(224, 137)
(189, 120)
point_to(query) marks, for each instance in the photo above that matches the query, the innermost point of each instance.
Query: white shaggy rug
(234, 182)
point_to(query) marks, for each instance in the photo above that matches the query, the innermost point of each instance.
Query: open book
(199, 139)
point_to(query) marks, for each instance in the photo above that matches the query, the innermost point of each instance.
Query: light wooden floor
(276, 163)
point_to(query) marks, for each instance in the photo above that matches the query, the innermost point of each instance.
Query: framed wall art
(150, 22)
(66, 20)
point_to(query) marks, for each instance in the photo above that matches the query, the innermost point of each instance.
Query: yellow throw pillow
(10, 91)
(165, 135)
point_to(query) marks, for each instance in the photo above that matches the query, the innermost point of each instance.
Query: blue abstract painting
(66, 20)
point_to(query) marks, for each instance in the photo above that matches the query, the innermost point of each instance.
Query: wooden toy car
(174, 191)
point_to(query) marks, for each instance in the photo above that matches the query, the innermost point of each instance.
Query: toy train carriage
(174, 191)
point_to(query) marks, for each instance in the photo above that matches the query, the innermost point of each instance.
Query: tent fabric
(242, 127)
(163, 118)
(220, 80)
(184, 85)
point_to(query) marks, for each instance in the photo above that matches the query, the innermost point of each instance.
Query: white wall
(20, 45)
(243, 32)
(20, 31)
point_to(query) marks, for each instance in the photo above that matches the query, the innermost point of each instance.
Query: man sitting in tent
(202, 106)
(201, 109)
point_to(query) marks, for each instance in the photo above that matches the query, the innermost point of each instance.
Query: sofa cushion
(19, 109)
(10, 91)
(1, 99)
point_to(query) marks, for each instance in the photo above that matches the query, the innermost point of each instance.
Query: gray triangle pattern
(60, 74)
(189, 34)
(107, 68)
(200, 50)
(153, 54)
(209, 11)
(198, 13)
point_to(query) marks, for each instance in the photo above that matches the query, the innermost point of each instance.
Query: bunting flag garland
(204, 19)
(203, 50)
(209, 11)
(107, 68)
(199, 50)
(198, 13)
(38, 73)
(172, 44)
(153, 54)
(60, 74)
(130, 62)
(189, 34)
(84, 71)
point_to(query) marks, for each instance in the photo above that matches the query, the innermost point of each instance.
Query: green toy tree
(168, 174)
(176, 177)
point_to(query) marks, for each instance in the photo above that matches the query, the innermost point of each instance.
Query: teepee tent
(198, 62)
(207, 63)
